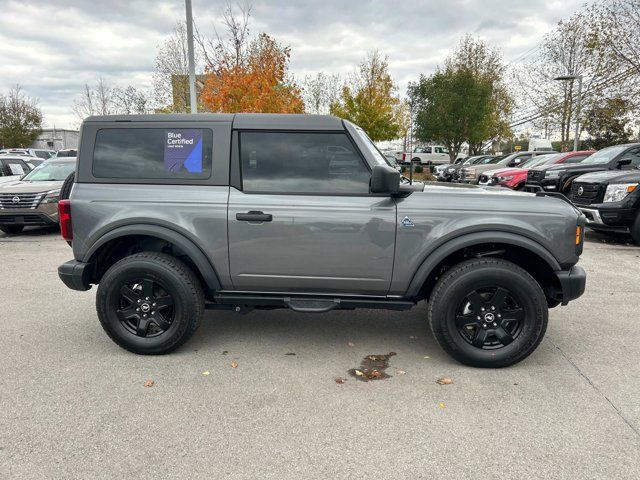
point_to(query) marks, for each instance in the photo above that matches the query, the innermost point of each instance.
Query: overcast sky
(53, 47)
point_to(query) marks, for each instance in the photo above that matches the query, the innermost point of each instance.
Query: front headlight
(52, 196)
(552, 174)
(618, 191)
(504, 179)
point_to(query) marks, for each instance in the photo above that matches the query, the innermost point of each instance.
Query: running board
(304, 304)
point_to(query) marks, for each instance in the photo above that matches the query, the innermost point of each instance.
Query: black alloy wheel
(490, 318)
(145, 308)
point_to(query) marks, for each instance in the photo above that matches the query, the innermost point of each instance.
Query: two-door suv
(172, 215)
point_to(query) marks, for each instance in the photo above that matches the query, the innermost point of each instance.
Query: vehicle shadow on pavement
(31, 232)
(610, 238)
(376, 331)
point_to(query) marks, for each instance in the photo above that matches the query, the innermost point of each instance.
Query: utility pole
(578, 104)
(410, 142)
(192, 66)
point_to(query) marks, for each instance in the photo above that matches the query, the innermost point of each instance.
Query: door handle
(254, 216)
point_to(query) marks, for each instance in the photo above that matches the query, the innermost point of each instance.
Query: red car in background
(515, 178)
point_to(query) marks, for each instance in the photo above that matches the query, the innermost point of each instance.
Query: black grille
(535, 175)
(20, 200)
(585, 193)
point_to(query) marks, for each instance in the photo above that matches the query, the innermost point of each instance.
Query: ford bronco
(172, 215)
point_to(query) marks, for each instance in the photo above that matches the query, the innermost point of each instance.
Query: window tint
(301, 163)
(153, 153)
(634, 154)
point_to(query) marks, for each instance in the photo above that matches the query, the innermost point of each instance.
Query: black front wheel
(488, 312)
(150, 303)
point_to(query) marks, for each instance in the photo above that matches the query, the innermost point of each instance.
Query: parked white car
(429, 155)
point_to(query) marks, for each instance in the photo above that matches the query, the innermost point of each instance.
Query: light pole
(192, 66)
(579, 101)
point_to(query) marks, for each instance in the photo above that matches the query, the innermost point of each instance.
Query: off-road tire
(452, 288)
(178, 280)
(65, 190)
(12, 229)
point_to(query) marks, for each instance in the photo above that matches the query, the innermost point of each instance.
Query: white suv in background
(430, 155)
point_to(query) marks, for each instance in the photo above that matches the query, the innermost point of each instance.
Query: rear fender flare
(196, 255)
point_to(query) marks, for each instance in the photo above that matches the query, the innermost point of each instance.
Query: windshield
(544, 160)
(50, 172)
(604, 156)
(380, 158)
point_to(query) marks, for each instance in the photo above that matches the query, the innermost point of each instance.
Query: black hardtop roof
(244, 121)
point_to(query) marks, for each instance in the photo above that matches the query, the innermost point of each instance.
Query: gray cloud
(52, 48)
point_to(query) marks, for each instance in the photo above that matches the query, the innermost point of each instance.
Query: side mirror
(385, 179)
(625, 161)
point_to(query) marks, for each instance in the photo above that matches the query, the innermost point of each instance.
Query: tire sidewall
(533, 327)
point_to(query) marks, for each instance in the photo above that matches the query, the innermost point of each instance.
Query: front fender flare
(468, 240)
(196, 255)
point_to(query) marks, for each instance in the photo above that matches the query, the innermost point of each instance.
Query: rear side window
(153, 153)
(576, 159)
(304, 163)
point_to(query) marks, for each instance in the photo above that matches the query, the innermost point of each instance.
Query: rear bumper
(572, 283)
(76, 275)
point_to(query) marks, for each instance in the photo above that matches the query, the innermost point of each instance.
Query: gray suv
(171, 215)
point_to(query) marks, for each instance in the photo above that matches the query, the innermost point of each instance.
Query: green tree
(485, 64)
(608, 123)
(20, 119)
(370, 100)
(452, 106)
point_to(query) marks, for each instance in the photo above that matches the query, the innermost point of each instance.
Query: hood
(464, 188)
(29, 187)
(509, 171)
(9, 179)
(574, 166)
(611, 176)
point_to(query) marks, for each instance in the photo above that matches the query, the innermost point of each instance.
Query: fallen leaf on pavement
(359, 373)
(441, 405)
(351, 344)
(375, 374)
(148, 383)
(413, 337)
(234, 364)
(206, 373)
(290, 353)
(444, 381)
(427, 356)
(225, 352)
(400, 372)
(340, 380)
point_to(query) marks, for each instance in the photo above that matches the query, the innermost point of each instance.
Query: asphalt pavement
(74, 405)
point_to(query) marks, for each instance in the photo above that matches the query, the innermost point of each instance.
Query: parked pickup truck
(558, 178)
(610, 200)
(171, 215)
(430, 155)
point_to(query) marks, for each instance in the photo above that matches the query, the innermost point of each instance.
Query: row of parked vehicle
(603, 184)
(30, 187)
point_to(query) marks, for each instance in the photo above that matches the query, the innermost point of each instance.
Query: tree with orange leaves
(249, 76)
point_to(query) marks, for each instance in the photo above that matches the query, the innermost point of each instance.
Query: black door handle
(254, 216)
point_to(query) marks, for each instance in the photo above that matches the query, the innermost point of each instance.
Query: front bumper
(572, 283)
(30, 217)
(76, 275)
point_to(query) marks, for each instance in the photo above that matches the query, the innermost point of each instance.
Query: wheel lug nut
(493, 308)
(147, 298)
(478, 317)
(137, 309)
(484, 324)
(144, 316)
(482, 309)
(499, 316)
(139, 301)
(495, 324)
(154, 304)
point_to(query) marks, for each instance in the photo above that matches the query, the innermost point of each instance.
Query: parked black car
(446, 173)
(558, 178)
(610, 200)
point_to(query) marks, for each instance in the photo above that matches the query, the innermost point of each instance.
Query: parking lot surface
(74, 405)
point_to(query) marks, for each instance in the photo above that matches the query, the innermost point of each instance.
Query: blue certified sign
(183, 150)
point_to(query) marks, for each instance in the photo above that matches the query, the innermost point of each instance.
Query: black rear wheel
(150, 303)
(488, 312)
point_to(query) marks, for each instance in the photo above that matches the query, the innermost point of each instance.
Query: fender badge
(407, 222)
